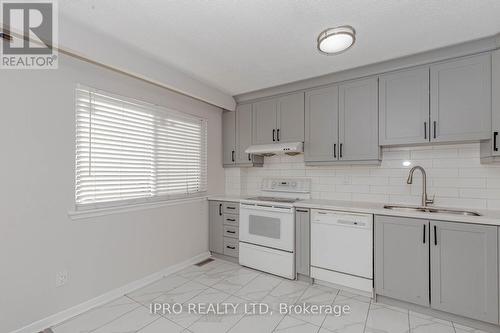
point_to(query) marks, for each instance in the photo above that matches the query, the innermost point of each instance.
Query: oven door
(271, 226)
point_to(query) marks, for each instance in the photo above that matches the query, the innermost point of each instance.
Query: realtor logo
(28, 34)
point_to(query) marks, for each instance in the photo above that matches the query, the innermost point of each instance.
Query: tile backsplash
(454, 175)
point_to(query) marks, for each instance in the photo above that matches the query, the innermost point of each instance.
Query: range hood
(289, 148)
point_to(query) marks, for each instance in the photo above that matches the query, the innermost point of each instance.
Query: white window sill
(90, 213)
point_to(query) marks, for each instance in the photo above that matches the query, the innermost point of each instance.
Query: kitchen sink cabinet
(279, 119)
(402, 259)
(460, 260)
(464, 269)
(302, 241)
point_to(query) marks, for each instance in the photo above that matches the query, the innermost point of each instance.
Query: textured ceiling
(246, 45)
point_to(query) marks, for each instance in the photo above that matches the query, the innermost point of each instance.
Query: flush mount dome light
(336, 40)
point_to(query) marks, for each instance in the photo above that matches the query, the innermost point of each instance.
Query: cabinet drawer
(231, 219)
(230, 247)
(231, 208)
(231, 231)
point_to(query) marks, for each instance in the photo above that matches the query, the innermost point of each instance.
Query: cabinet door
(321, 125)
(464, 270)
(302, 237)
(358, 121)
(291, 118)
(228, 137)
(243, 132)
(495, 88)
(402, 259)
(461, 99)
(216, 227)
(404, 107)
(264, 121)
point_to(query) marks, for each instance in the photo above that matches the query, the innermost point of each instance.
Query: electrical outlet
(62, 278)
(346, 180)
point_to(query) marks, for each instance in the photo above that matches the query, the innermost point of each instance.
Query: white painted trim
(64, 315)
(90, 213)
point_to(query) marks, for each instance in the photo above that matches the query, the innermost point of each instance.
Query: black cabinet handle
(435, 125)
(425, 130)
(335, 150)
(230, 232)
(250, 157)
(230, 207)
(435, 236)
(232, 155)
(231, 247)
(278, 134)
(220, 209)
(302, 211)
(232, 220)
(340, 150)
(424, 233)
(495, 146)
(274, 131)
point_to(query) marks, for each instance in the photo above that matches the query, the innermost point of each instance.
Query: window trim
(116, 206)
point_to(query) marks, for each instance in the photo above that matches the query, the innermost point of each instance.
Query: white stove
(267, 226)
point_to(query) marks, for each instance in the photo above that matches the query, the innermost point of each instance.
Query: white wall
(38, 239)
(454, 172)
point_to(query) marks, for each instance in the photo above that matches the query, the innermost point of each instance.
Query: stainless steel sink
(430, 209)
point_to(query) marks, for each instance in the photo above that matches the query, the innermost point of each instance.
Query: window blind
(128, 151)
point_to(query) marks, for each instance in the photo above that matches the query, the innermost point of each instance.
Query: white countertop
(489, 217)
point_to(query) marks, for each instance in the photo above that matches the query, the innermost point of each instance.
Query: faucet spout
(425, 200)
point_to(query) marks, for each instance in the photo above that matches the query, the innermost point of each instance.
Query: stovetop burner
(274, 199)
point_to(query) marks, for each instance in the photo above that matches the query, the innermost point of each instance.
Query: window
(128, 151)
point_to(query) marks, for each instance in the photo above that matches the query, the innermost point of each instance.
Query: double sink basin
(429, 209)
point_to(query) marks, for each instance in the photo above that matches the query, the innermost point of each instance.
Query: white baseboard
(64, 315)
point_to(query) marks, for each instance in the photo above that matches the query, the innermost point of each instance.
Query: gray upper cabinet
(216, 227)
(321, 124)
(264, 121)
(290, 118)
(404, 107)
(358, 121)
(228, 137)
(495, 88)
(461, 99)
(243, 133)
(402, 259)
(464, 269)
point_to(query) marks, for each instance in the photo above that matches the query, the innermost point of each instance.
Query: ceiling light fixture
(336, 40)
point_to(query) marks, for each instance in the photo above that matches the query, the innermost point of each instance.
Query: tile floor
(227, 283)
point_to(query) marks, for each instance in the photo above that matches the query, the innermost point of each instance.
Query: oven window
(264, 226)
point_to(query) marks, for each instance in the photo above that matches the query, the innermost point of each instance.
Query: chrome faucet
(425, 200)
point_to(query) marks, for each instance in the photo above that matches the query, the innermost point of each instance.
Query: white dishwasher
(342, 248)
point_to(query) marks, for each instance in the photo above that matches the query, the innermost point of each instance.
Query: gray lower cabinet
(461, 99)
(302, 241)
(460, 260)
(358, 121)
(464, 270)
(321, 121)
(402, 259)
(404, 107)
(223, 227)
(216, 227)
